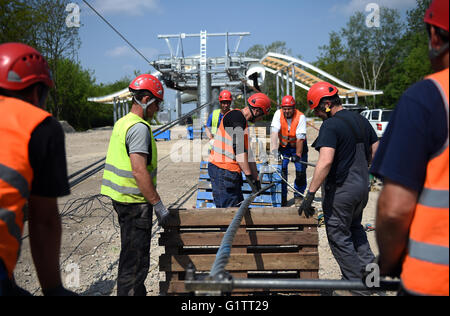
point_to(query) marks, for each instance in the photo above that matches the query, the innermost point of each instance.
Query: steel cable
(223, 254)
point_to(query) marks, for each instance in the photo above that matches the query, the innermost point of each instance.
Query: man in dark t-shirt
(346, 144)
(231, 155)
(32, 169)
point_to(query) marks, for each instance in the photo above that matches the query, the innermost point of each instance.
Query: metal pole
(115, 110)
(385, 285)
(293, 81)
(278, 88)
(287, 81)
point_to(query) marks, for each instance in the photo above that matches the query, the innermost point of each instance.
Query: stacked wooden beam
(270, 243)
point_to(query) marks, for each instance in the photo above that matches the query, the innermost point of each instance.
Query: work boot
(298, 201)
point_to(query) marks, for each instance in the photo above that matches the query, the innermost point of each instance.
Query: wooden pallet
(270, 243)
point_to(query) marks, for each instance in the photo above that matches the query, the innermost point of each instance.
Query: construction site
(272, 242)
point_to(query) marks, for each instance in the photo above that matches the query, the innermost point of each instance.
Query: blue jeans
(226, 186)
(300, 179)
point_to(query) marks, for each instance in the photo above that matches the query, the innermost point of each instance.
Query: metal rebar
(314, 284)
(86, 168)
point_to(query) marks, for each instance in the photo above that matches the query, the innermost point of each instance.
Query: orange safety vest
(286, 135)
(222, 152)
(18, 120)
(425, 268)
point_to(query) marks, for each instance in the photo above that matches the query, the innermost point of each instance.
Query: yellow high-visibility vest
(118, 180)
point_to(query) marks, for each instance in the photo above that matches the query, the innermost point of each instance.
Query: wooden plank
(288, 261)
(286, 216)
(171, 239)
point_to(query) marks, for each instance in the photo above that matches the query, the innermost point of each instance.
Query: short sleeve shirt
(336, 133)
(138, 140)
(416, 131)
(300, 133)
(236, 120)
(47, 156)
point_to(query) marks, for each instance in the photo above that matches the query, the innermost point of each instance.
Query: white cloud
(127, 7)
(126, 51)
(353, 6)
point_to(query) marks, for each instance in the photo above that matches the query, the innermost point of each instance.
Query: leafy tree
(411, 55)
(368, 48)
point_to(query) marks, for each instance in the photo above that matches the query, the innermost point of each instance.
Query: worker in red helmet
(346, 145)
(288, 139)
(129, 179)
(413, 160)
(231, 154)
(33, 169)
(214, 119)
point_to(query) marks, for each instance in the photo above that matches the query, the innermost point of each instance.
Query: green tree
(411, 56)
(369, 48)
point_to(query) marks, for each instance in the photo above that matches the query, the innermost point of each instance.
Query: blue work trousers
(300, 180)
(226, 186)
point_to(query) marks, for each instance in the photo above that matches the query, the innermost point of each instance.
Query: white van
(379, 119)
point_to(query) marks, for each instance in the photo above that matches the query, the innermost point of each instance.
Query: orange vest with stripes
(286, 135)
(222, 152)
(425, 268)
(18, 119)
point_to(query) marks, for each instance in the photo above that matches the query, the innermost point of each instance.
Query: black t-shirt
(47, 157)
(235, 123)
(336, 133)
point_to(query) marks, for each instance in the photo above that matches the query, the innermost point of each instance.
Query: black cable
(109, 24)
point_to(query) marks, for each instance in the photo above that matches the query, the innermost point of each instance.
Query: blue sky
(303, 25)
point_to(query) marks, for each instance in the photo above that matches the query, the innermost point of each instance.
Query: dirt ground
(91, 235)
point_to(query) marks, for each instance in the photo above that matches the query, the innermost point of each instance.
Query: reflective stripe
(121, 189)
(434, 198)
(9, 218)
(228, 142)
(119, 172)
(125, 173)
(223, 152)
(15, 179)
(428, 252)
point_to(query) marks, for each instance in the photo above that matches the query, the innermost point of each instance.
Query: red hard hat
(288, 101)
(149, 83)
(437, 14)
(225, 95)
(22, 66)
(260, 100)
(318, 91)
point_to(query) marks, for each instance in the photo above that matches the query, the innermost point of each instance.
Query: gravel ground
(91, 241)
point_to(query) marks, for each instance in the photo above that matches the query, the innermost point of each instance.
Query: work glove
(296, 158)
(306, 206)
(162, 214)
(58, 291)
(254, 184)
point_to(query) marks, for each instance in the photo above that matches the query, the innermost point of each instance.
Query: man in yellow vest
(412, 225)
(129, 180)
(288, 137)
(33, 169)
(214, 119)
